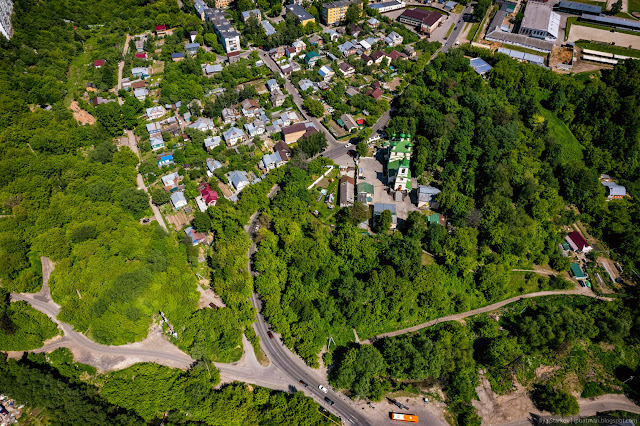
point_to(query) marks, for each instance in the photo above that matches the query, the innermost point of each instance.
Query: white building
(212, 142)
(540, 22)
(233, 136)
(156, 112)
(178, 200)
(228, 36)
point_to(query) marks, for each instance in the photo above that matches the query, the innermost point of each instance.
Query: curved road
(582, 291)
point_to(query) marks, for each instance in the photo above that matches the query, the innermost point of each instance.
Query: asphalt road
(297, 99)
(451, 40)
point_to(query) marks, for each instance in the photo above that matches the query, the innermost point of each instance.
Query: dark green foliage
(556, 401)
(134, 201)
(357, 369)
(65, 401)
(160, 196)
(312, 144)
(383, 222)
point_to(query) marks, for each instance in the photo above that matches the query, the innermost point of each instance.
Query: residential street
(296, 97)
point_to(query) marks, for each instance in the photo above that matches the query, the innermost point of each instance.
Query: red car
(270, 334)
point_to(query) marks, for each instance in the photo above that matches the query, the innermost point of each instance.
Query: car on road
(303, 383)
(326, 398)
(347, 145)
(270, 334)
(322, 388)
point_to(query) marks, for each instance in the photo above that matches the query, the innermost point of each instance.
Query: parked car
(303, 383)
(322, 388)
(270, 334)
(329, 400)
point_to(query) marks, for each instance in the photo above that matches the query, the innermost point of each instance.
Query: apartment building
(334, 12)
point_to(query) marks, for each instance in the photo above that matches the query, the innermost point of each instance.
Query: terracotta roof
(347, 179)
(139, 84)
(375, 93)
(394, 55)
(161, 27)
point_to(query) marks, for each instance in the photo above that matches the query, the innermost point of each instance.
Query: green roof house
(311, 58)
(577, 272)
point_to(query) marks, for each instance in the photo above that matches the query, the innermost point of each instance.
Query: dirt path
(583, 291)
(133, 145)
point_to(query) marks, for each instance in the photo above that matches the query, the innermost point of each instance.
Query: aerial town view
(347, 212)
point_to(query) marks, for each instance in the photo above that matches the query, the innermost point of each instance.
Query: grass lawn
(459, 8)
(450, 30)
(472, 31)
(634, 6)
(76, 72)
(492, 11)
(609, 49)
(571, 148)
(586, 76)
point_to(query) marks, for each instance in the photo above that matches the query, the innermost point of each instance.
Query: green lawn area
(76, 72)
(450, 30)
(609, 49)
(459, 8)
(475, 28)
(586, 76)
(472, 31)
(571, 148)
(634, 6)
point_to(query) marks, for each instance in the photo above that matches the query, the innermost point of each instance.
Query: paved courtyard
(372, 170)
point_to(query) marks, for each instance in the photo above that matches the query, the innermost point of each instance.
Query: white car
(322, 388)
(347, 145)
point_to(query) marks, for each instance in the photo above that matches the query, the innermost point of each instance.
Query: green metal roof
(309, 56)
(365, 187)
(434, 218)
(576, 271)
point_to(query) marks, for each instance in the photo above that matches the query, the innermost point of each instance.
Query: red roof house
(161, 29)
(360, 121)
(98, 63)
(141, 55)
(579, 242)
(375, 93)
(208, 195)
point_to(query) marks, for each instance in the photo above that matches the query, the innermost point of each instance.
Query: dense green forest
(506, 162)
(593, 343)
(145, 393)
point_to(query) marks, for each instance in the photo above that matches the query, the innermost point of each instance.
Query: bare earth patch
(81, 116)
